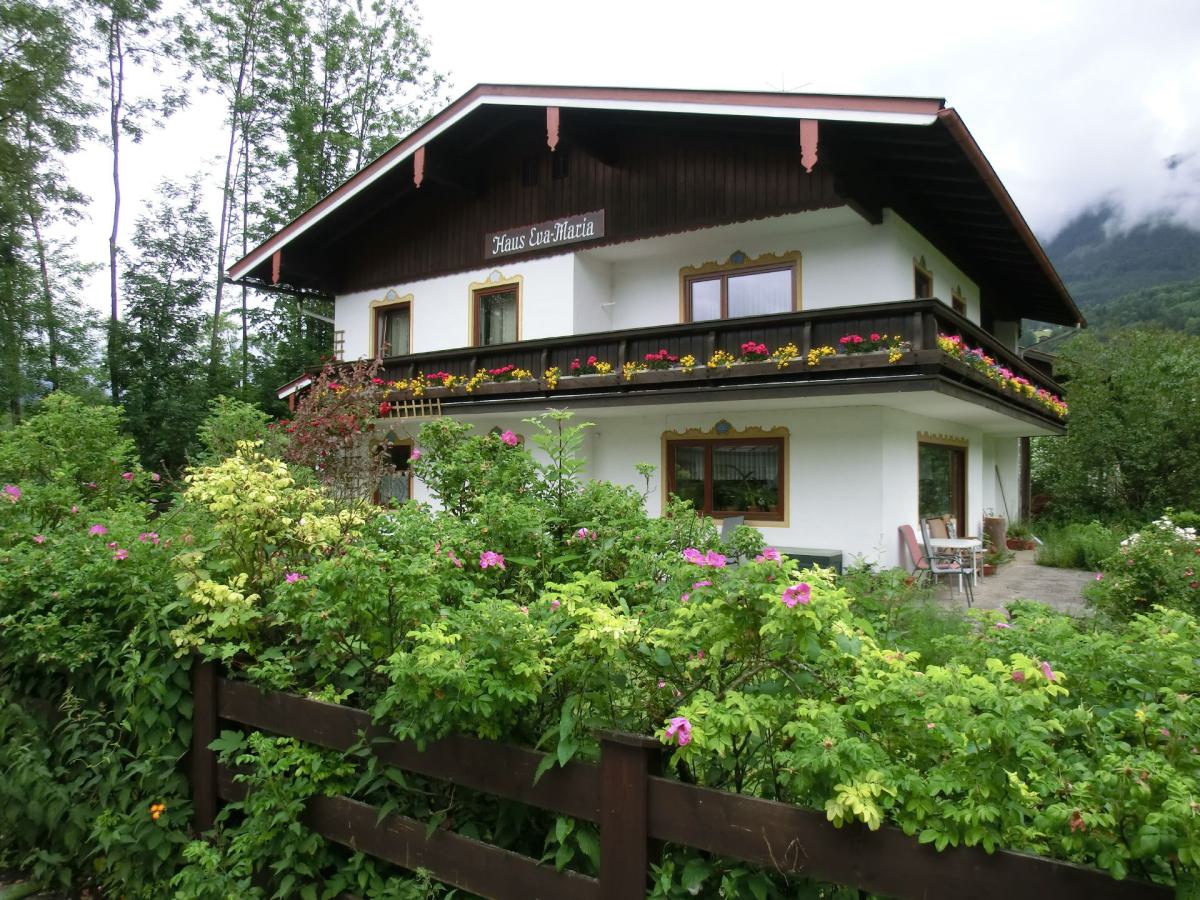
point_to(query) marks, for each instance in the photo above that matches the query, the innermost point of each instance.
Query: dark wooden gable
(651, 175)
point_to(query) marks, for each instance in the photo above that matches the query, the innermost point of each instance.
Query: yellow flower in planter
(687, 362)
(816, 354)
(785, 354)
(551, 377)
(721, 358)
(630, 369)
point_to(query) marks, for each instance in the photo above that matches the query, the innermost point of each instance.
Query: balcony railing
(917, 322)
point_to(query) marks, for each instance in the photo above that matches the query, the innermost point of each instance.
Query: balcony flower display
(722, 358)
(874, 342)
(753, 351)
(953, 345)
(590, 366)
(509, 373)
(784, 355)
(660, 360)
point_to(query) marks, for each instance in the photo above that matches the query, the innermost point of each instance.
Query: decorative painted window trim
(723, 431)
(958, 301)
(494, 283)
(921, 269)
(740, 262)
(390, 300)
(928, 437)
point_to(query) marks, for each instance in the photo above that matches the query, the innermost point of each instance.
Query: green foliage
(1129, 451)
(1077, 545)
(1154, 567)
(230, 421)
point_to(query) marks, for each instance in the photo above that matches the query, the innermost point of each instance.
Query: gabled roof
(915, 155)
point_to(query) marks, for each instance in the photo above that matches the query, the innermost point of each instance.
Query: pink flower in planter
(97, 529)
(510, 439)
(39, 539)
(680, 729)
(489, 558)
(797, 593)
(128, 476)
(12, 493)
(1048, 672)
(293, 577)
(120, 554)
(770, 554)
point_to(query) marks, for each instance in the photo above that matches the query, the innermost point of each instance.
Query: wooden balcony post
(626, 761)
(204, 732)
(805, 338)
(710, 346)
(918, 331)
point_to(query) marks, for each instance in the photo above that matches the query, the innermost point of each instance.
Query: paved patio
(1024, 579)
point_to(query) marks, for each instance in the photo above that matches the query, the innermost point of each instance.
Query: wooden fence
(632, 804)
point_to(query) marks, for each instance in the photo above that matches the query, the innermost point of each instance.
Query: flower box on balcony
(587, 382)
(655, 376)
(749, 369)
(514, 386)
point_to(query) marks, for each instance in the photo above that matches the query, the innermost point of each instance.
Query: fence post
(204, 732)
(626, 760)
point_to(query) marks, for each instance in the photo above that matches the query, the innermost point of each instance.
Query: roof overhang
(831, 107)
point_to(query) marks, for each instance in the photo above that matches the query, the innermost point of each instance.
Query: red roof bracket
(276, 262)
(552, 127)
(419, 165)
(808, 144)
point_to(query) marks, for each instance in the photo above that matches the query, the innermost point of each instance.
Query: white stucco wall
(851, 474)
(845, 261)
(440, 306)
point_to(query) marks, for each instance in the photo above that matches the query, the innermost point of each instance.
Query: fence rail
(627, 797)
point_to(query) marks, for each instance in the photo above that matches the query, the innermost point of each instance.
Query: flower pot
(1031, 545)
(655, 376)
(989, 569)
(517, 386)
(587, 382)
(744, 369)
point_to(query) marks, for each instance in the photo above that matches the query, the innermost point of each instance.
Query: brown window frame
(919, 272)
(380, 310)
(779, 514)
(958, 474)
(958, 303)
(723, 275)
(477, 295)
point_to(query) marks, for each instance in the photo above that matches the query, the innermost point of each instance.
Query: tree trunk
(245, 249)
(47, 300)
(116, 100)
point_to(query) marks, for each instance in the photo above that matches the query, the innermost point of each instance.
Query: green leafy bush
(1077, 545)
(1154, 567)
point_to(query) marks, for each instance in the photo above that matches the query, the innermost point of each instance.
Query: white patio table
(958, 545)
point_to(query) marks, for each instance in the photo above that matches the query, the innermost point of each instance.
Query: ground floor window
(942, 481)
(729, 476)
(396, 487)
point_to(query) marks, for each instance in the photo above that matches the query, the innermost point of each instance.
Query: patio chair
(927, 564)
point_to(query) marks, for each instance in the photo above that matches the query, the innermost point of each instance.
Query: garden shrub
(536, 608)
(1076, 545)
(1153, 567)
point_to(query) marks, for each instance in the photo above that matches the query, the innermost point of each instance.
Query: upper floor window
(497, 311)
(922, 280)
(741, 287)
(958, 301)
(391, 325)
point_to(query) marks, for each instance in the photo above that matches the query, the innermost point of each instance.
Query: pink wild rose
(39, 539)
(1003, 625)
(1018, 676)
(1048, 672)
(714, 559)
(770, 554)
(293, 577)
(154, 476)
(797, 593)
(555, 604)
(128, 476)
(120, 554)
(692, 555)
(415, 455)
(680, 729)
(489, 558)
(510, 439)
(685, 598)
(700, 584)
(97, 529)
(12, 493)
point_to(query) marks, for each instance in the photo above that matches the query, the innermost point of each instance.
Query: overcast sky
(1072, 101)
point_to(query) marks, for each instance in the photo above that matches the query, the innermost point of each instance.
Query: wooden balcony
(922, 365)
